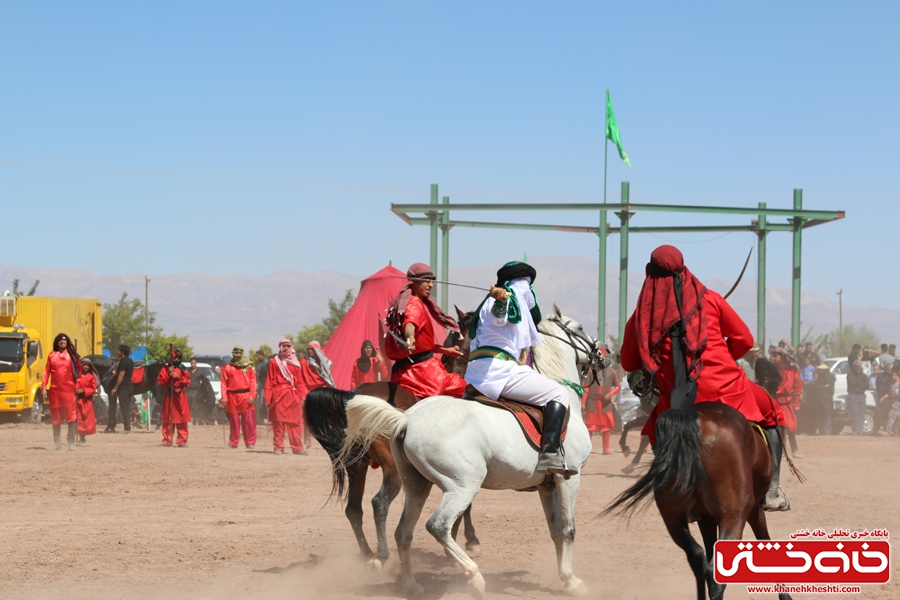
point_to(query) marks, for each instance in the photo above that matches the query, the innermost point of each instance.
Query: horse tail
(677, 467)
(325, 412)
(369, 418)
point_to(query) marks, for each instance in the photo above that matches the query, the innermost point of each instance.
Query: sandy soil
(125, 518)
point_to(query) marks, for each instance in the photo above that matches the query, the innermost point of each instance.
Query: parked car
(839, 415)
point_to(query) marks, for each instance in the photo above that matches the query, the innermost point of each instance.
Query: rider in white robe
(505, 328)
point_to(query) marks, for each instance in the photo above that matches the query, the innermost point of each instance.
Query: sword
(471, 287)
(400, 340)
(741, 276)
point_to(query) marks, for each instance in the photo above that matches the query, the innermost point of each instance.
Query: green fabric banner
(612, 130)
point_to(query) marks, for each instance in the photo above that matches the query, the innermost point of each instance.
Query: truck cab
(21, 368)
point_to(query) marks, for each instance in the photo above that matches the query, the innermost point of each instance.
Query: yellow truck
(27, 328)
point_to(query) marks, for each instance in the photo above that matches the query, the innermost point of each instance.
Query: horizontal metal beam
(818, 215)
(610, 229)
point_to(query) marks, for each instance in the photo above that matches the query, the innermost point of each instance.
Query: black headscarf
(364, 362)
(70, 348)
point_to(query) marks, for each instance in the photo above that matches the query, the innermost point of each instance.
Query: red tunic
(87, 422)
(175, 407)
(601, 418)
(285, 401)
(310, 378)
(789, 395)
(427, 378)
(721, 379)
(238, 387)
(377, 372)
(61, 393)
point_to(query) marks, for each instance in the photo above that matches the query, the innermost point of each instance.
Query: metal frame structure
(437, 217)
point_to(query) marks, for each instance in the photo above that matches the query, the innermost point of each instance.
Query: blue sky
(248, 137)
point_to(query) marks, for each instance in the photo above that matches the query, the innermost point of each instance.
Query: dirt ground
(126, 518)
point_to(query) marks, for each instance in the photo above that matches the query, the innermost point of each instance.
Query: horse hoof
(576, 588)
(476, 586)
(626, 451)
(414, 590)
(628, 469)
(375, 564)
(473, 550)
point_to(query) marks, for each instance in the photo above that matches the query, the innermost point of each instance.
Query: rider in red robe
(714, 337)
(176, 412)
(85, 387)
(62, 372)
(285, 391)
(422, 372)
(239, 393)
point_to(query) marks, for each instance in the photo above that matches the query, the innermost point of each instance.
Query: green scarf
(513, 310)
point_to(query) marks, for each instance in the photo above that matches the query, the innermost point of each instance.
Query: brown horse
(709, 461)
(327, 419)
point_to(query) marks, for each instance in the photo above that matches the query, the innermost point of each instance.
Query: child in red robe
(85, 388)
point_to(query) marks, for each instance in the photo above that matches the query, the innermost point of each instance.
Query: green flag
(612, 130)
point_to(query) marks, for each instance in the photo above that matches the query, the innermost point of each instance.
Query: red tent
(361, 323)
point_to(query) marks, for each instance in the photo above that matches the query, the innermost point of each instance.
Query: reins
(578, 341)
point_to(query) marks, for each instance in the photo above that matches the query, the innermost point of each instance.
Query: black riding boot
(552, 460)
(70, 435)
(775, 500)
(57, 444)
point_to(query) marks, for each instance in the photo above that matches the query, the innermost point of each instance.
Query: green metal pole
(445, 255)
(601, 284)
(795, 288)
(761, 281)
(623, 263)
(433, 220)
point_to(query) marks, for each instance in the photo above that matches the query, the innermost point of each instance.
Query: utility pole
(840, 311)
(146, 311)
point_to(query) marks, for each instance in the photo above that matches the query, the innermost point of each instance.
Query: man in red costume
(238, 393)
(176, 411)
(316, 368)
(284, 395)
(712, 338)
(62, 372)
(370, 367)
(421, 372)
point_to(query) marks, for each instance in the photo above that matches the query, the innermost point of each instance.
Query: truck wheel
(36, 414)
(869, 422)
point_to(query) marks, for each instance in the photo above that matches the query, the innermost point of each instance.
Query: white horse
(462, 446)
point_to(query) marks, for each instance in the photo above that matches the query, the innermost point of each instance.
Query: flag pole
(605, 144)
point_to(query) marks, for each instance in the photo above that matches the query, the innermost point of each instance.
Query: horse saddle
(137, 375)
(531, 418)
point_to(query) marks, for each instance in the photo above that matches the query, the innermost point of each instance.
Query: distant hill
(219, 311)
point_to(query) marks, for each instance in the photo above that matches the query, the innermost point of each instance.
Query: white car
(839, 415)
(207, 370)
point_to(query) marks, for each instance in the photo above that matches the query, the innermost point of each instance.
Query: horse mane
(767, 375)
(549, 357)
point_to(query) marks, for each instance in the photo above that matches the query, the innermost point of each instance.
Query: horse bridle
(579, 341)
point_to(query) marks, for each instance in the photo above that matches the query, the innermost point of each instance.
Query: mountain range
(219, 311)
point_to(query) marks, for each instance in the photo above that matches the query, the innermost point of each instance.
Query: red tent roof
(361, 323)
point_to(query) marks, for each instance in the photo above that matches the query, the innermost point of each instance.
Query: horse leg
(558, 499)
(356, 484)
(416, 489)
(473, 546)
(757, 521)
(454, 502)
(677, 525)
(629, 468)
(710, 531)
(381, 502)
